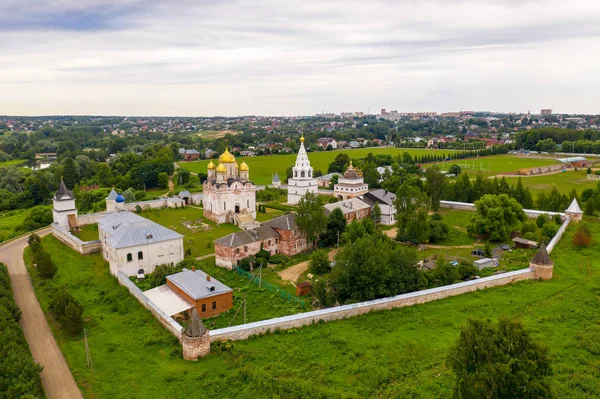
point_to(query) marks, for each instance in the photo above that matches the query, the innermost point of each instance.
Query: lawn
(263, 167)
(564, 181)
(457, 222)
(199, 240)
(13, 162)
(9, 221)
(388, 354)
(88, 232)
(493, 165)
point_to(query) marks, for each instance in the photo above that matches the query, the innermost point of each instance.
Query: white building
(64, 206)
(131, 242)
(302, 180)
(228, 191)
(276, 181)
(350, 184)
(385, 199)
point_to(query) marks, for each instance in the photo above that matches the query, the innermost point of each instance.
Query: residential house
(323, 142)
(353, 209)
(385, 199)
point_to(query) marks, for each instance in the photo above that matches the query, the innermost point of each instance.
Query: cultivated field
(399, 353)
(493, 165)
(214, 134)
(564, 181)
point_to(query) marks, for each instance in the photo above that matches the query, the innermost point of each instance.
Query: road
(293, 272)
(56, 377)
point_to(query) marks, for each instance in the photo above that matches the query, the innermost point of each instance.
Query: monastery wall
(341, 312)
(83, 247)
(467, 206)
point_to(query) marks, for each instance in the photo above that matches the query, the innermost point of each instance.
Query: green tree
(310, 217)
(336, 225)
(438, 229)
(70, 174)
(496, 217)
(334, 180)
(487, 249)
(500, 361)
(455, 170)
(183, 176)
(339, 164)
(45, 266)
(411, 214)
(376, 213)
(319, 262)
(435, 186)
(72, 320)
(163, 180)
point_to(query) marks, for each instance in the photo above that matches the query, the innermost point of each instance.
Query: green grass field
(493, 165)
(13, 162)
(87, 233)
(565, 182)
(262, 167)
(389, 354)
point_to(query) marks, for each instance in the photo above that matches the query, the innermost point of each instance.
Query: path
(392, 233)
(428, 246)
(206, 256)
(56, 377)
(292, 273)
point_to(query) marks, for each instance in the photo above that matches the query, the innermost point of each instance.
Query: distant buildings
(546, 112)
(189, 155)
(324, 142)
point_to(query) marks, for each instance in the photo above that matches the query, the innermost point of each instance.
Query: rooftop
(197, 284)
(127, 229)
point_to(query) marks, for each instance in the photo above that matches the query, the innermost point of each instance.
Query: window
(224, 206)
(160, 252)
(129, 257)
(237, 250)
(247, 203)
(204, 307)
(269, 243)
(140, 255)
(245, 248)
(214, 305)
(171, 249)
(302, 174)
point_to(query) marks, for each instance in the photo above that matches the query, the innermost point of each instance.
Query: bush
(528, 227)
(278, 259)
(541, 220)
(438, 230)
(558, 219)
(467, 270)
(319, 262)
(69, 313)
(45, 265)
(263, 254)
(582, 237)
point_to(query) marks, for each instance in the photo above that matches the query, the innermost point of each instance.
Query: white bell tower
(302, 180)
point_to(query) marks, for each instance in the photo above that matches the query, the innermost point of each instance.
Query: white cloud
(273, 57)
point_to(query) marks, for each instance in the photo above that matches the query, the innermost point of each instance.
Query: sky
(278, 57)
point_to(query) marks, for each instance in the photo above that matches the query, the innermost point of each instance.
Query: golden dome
(221, 168)
(244, 167)
(302, 138)
(226, 157)
(211, 165)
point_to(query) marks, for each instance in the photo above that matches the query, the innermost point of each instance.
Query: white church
(302, 180)
(128, 242)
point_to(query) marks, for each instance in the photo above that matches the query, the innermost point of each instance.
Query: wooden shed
(524, 243)
(303, 288)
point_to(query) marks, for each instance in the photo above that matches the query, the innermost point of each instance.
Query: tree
(319, 262)
(310, 217)
(435, 186)
(163, 180)
(438, 229)
(72, 320)
(582, 237)
(376, 213)
(374, 267)
(454, 170)
(70, 174)
(336, 225)
(183, 176)
(496, 217)
(411, 214)
(339, 164)
(333, 181)
(45, 265)
(499, 362)
(487, 249)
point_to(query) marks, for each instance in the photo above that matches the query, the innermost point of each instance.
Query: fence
(273, 289)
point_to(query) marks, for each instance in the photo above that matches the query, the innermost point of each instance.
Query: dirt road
(56, 377)
(292, 273)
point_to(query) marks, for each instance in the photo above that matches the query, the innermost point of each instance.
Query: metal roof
(276, 178)
(112, 195)
(247, 236)
(380, 195)
(285, 222)
(168, 300)
(127, 229)
(196, 285)
(571, 159)
(63, 194)
(574, 207)
(347, 206)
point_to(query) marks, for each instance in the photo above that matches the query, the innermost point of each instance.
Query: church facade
(351, 184)
(228, 191)
(302, 180)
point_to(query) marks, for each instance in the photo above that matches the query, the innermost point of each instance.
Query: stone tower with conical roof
(302, 180)
(195, 340)
(541, 264)
(574, 211)
(63, 205)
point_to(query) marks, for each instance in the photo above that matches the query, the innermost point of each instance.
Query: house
(323, 181)
(279, 235)
(385, 199)
(353, 209)
(353, 144)
(208, 295)
(484, 263)
(191, 155)
(323, 142)
(342, 144)
(208, 153)
(131, 242)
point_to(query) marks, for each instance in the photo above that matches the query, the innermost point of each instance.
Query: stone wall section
(558, 235)
(467, 206)
(83, 247)
(341, 312)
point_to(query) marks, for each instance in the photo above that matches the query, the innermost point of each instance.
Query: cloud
(272, 57)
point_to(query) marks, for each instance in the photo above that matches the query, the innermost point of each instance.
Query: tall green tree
(310, 218)
(70, 174)
(336, 225)
(339, 164)
(496, 217)
(500, 361)
(435, 186)
(411, 214)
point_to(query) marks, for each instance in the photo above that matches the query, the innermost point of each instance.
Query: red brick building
(277, 236)
(353, 209)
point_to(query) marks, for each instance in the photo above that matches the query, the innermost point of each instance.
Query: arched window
(295, 173)
(224, 206)
(129, 257)
(248, 204)
(302, 174)
(140, 255)
(309, 173)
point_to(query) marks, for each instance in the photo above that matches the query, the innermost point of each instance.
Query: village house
(323, 142)
(189, 155)
(208, 295)
(385, 199)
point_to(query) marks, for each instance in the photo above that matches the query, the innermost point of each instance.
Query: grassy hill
(389, 354)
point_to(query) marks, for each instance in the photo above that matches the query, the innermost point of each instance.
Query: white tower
(302, 180)
(64, 206)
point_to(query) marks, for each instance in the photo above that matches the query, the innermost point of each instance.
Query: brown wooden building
(208, 295)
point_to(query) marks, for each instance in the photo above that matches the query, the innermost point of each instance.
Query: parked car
(505, 247)
(478, 252)
(453, 263)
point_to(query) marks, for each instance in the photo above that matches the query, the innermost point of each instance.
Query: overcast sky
(263, 57)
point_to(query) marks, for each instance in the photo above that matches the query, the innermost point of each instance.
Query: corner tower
(302, 180)
(64, 207)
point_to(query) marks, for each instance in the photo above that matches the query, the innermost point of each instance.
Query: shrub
(438, 230)
(45, 265)
(319, 262)
(582, 237)
(467, 270)
(278, 259)
(264, 254)
(541, 220)
(69, 313)
(558, 219)
(487, 249)
(528, 227)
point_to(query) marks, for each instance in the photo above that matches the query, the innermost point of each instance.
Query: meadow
(388, 354)
(263, 167)
(564, 181)
(13, 162)
(496, 164)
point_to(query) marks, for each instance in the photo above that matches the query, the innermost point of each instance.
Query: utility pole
(88, 355)
(244, 308)
(260, 277)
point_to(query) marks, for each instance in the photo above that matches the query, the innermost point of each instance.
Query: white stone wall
(298, 188)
